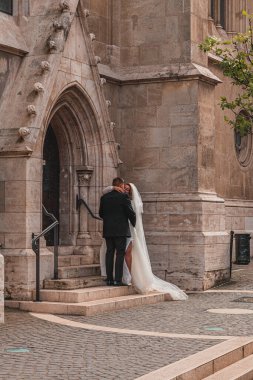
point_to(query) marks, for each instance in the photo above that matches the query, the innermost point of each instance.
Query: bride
(141, 276)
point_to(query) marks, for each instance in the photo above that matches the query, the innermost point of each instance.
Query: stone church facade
(91, 89)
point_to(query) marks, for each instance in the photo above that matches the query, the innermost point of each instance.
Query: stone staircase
(229, 360)
(80, 290)
(241, 370)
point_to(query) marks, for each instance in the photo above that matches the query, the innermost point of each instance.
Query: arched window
(217, 11)
(222, 13)
(212, 9)
(6, 6)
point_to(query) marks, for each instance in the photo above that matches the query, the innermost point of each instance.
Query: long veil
(142, 276)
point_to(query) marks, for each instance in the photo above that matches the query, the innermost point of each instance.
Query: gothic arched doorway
(75, 156)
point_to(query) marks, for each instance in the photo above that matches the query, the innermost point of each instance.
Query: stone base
(187, 241)
(215, 278)
(20, 272)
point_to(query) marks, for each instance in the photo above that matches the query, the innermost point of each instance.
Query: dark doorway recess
(51, 181)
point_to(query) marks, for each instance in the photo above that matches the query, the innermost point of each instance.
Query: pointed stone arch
(83, 153)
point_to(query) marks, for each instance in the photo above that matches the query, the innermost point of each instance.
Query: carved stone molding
(102, 81)
(84, 12)
(109, 103)
(51, 44)
(58, 25)
(64, 5)
(92, 36)
(23, 132)
(84, 176)
(45, 66)
(38, 87)
(31, 110)
(97, 59)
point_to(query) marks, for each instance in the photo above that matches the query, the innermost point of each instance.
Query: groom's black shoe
(119, 283)
(110, 282)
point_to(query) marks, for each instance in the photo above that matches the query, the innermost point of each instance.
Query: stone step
(88, 308)
(74, 283)
(63, 250)
(79, 271)
(241, 370)
(74, 260)
(85, 295)
(207, 362)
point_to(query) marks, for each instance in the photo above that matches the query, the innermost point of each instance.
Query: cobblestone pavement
(72, 353)
(63, 352)
(189, 317)
(242, 278)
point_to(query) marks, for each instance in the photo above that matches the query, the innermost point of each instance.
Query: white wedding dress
(141, 275)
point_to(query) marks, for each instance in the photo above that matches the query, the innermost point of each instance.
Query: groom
(116, 211)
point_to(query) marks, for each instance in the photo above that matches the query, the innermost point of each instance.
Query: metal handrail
(80, 201)
(36, 249)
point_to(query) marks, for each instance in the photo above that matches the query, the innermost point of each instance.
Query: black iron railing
(80, 201)
(36, 249)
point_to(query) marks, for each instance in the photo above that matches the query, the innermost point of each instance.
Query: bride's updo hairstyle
(128, 190)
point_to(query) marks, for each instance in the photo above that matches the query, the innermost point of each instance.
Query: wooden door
(51, 181)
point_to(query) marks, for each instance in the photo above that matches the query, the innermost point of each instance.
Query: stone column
(217, 14)
(242, 4)
(84, 176)
(235, 21)
(210, 10)
(231, 16)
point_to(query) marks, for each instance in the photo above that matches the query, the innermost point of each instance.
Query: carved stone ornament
(84, 177)
(45, 65)
(23, 132)
(51, 44)
(92, 36)
(64, 5)
(86, 12)
(102, 81)
(31, 110)
(112, 125)
(109, 103)
(58, 25)
(38, 87)
(97, 59)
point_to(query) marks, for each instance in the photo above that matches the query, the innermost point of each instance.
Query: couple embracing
(121, 209)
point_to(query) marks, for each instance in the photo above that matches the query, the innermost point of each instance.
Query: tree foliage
(236, 62)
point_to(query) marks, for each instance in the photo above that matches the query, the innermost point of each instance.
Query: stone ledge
(158, 73)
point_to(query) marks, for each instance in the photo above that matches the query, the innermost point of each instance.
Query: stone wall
(168, 132)
(165, 127)
(72, 101)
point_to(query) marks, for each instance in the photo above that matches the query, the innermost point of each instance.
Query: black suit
(116, 211)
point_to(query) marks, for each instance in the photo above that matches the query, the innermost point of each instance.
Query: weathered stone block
(20, 272)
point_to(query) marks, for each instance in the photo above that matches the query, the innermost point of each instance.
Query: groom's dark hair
(117, 181)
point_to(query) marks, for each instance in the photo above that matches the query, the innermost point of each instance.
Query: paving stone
(64, 352)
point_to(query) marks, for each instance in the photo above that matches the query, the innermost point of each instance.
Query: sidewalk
(103, 347)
